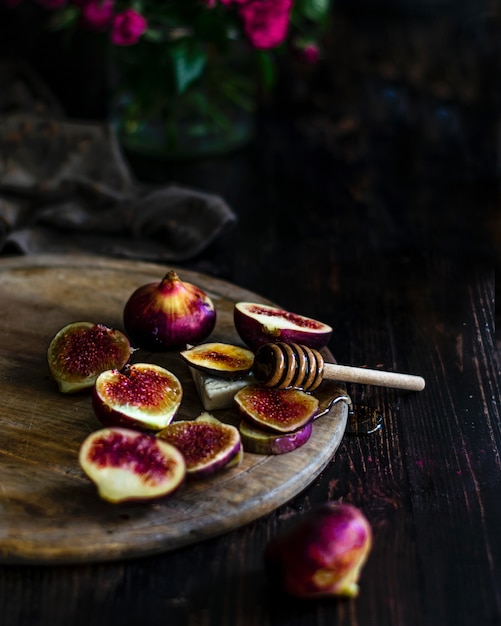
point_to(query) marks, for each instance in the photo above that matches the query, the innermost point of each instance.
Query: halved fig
(142, 395)
(258, 324)
(206, 443)
(80, 351)
(260, 441)
(276, 410)
(219, 359)
(126, 464)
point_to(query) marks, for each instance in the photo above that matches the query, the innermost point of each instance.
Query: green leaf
(315, 10)
(154, 35)
(188, 59)
(65, 18)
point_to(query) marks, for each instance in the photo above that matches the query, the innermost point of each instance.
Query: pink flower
(307, 51)
(266, 21)
(127, 28)
(97, 14)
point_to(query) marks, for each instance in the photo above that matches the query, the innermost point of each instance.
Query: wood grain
(50, 510)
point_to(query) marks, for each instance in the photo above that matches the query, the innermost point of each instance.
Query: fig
(142, 395)
(277, 410)
(223, 360)
(169, 314)
(206, 443)
(126, 465)
(260, 441)
(322, 554)
(258, 324)
(80, 351)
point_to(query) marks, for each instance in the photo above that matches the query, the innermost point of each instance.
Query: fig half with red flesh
(80, 351)
(259, 441)
(223, 360)
(258, 324)
(126, 465)
(276, 410)
(206, 443)
(142, 395)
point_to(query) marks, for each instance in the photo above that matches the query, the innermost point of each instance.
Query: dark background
(369, 199)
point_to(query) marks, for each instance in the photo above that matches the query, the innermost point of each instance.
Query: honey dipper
(283, 365)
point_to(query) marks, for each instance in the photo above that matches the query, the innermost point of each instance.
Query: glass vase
(210, 115)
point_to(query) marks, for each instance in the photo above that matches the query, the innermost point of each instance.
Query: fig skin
(277, 410)
(127, 465)
(80, 351)
(207, 444)
(257, 324)
(322, 554)
(143, 396)
(168, 315)
(259, 441)
(222, 360)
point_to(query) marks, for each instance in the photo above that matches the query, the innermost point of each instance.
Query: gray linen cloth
(65, 187)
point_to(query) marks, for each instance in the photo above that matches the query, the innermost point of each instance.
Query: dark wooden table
(369, 201)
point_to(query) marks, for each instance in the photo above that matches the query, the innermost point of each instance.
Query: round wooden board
(49, 510)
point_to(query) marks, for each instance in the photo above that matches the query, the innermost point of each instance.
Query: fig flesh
(258, 324)
(142, 395)
(128, 465)
(322, 554)
(206, 443)
(259, 441)
(80, 351)
(223, 360)
(276, 410)
(169, 314)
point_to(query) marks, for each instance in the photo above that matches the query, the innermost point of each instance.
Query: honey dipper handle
(283, 365)
(348, 374)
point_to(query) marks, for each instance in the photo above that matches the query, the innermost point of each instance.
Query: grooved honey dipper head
(283, 365)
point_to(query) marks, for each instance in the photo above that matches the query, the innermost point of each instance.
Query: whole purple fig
(169, 314)
(323, 553)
